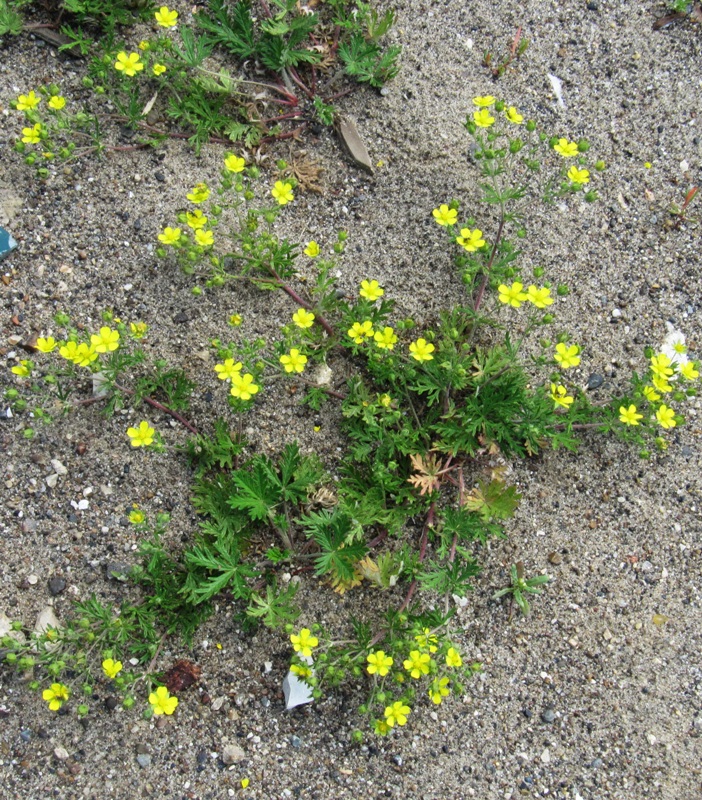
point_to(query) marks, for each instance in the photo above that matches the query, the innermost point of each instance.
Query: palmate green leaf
(256, 491)
(451, 578)
(275, 609)
(232, 28)
(222, 560)
(493, 500)
(334, 531)
(468, 527)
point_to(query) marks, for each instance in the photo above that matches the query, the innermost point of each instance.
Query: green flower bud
(591, 196)
(357, 737)
(11, 658)
(515, 146)
(530, 126)
(553, 141)
(82, 710)
(282, 165)
(500, 105)
(547, 319)
(583, 145)
(128, 702)
(28, 433)
(470, 126)
(88, 82)
(562, 290)
(600, 166)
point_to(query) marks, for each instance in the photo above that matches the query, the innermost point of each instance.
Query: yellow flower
(143, 45)
(85, 355)
(138, 329)
(445, 216)
(453, 658)
(105, 341)
(204, 238)
(27, 102)
(227, 370)
(234, 163)
(661, 366)
(484, 102)
(360, 331)
(661, 384)
(195, 220)
(199, 193)
(578, 176)
(379, 663)
(385, 400)
(629, 416)
(651, 394)
(371, 290)
(567, 356)
(417, 664)
(301, 671)
(560, 396)
(162, 702)
(396, 714)
(386, 339)
(46, 345)
(304, 642)
(514, 116)
(438, 690)
(166, 18)
(136, 516)
(483, 118)
(312, 249)
(244, 783)
(666, 417)
(512, 295)
(128, 64)
(294, 361)
(539, 297)
(169, 236)
(158, 69)
(689, 371)
(56, 103)
(32, 135)
(426, 640)
(282, 192)
(235, 320)
(56, 695)
(243, 387)
(470, 240)
(111, 668)
(565, 148)
(303, 318)
(23, 369)
(142, 436)
(68, 350)
(421, 350)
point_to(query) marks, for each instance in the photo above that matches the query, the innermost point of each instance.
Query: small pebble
(597, 763)
(144, 760)
(397, 760)
(56, 585)
(231, 753)
(295, 741)
(595, 381)
(548, 716)
(61, 753)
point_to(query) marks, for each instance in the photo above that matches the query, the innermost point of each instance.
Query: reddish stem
(422, 553)
(486, 274)
(296, 297)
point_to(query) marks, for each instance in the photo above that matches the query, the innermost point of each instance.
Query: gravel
(626, 530)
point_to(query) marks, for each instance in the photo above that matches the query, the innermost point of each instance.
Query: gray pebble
(295, 741)
(265, 702)
(595, 381)
(548, 716)
(397, 760)
(144, 760)
(25, 735)
(56, 585)
(597, 763)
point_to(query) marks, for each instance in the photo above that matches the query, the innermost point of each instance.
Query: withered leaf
(427, 478)
(181, 675)
(352, 143)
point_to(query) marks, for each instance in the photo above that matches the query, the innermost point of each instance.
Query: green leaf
(493, 500)
(256, 491)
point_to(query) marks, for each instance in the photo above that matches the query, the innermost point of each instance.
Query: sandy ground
(586, 698)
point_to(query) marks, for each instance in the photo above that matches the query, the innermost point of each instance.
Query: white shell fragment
(557, 86)
(296, 691)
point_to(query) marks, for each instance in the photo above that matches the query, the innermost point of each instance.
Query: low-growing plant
(166, 85)
(521, 586)
(431, 418)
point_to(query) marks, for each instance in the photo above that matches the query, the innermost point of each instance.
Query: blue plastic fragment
(7, 243)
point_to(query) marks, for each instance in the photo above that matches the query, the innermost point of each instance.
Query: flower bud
(500, 105)
(515, 146)
(531, 126)
(583, 145)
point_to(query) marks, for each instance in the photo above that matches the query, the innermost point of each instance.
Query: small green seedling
(521, 586)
